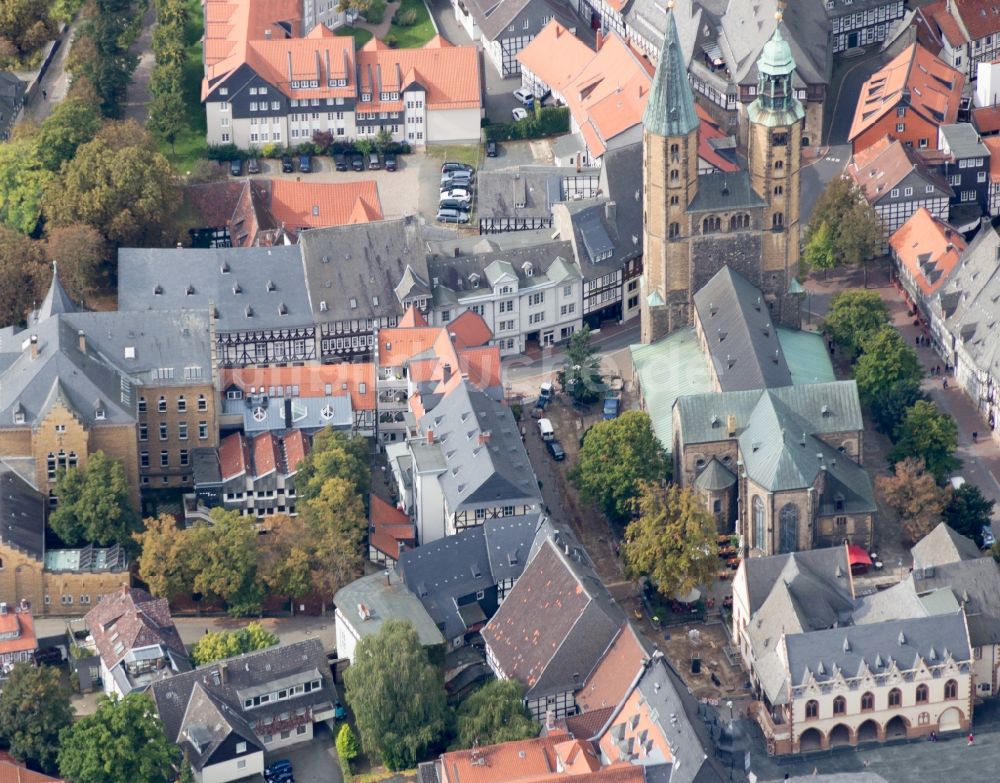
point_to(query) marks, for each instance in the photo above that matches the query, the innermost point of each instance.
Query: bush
(375, 12)
(223, 152)
(405, 18)
(308, 148)
(550, 121)
(272, 150)
(323, 140)
(347, 743)
(391, 41)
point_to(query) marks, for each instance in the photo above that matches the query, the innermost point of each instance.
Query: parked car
(451, 216)
(546, 430)
(305, 163)
(519, 114)
(340, 161)
(456, 184)
(49, 656)
(556, 450)
(390, 161)
(287, 167)
(612, 407)
(275, 768)
(988, 538)
(357, 162)
(236, 167)
(458, 194)
(339, 713)
(491, 149)
(253, 166)
(373, 162)
(451, 203)
(525, 96)
(457, 174)
(546, 391)
(450, 165)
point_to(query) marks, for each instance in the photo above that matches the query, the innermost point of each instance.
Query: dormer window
(19, 415)
(295, 85)
(474, 279)
(529, 269)
(354, 303)
(100, 414)
(366, 97)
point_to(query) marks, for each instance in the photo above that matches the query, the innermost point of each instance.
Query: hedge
(550, 121)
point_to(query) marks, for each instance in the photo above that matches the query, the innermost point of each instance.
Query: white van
(545, 429)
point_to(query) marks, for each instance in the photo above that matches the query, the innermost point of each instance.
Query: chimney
(484, 437)
(446, 369)
(81, 336)
(430, 436)
(288, 413)
(610, 212)
(600, 40)
(34, 346)
(731, 425)
(3, 608)
(223, 673)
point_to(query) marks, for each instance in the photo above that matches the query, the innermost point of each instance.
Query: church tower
(670, 181)
(774, 158)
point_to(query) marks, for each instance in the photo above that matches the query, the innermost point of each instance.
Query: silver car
(451, 216)
(456, 194)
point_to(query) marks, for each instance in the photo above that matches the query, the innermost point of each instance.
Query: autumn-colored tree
(80, 251)
(672, 541)
(335, 524)
(916, 496)
(285, 564)
(23, 275)
(165, 558)
(224, 560)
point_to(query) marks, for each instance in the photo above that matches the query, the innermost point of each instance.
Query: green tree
(100, 54)
(617, 456)
(285, 557)
(889, 408)
(219, 645)
(23, 275)
(224, 560)
(94, 504)
(119, 184)
(364, 146)
(26, 24)
(885, 363)
(968, 512)
(673, 540)
(80, 251)
(912, 491)
(843, 229)
(397, 696)
(122, 742)
(335, 524)
(334, 455)
(383, 140)
(23, 181)
(854, 316)
(347, 743)
(928, 433)
(186, 773)
(581, 372)
(74, 121)
(495, 713)
(168, 116)
(34, 708)
(165, 558)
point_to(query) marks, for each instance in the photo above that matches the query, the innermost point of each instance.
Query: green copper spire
(776, 104)
(670, 110)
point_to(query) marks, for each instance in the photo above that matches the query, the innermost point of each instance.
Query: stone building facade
(696, 224)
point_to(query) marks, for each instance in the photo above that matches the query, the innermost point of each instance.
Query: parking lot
(312, 762)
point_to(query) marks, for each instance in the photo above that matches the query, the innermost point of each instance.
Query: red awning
(856, 555)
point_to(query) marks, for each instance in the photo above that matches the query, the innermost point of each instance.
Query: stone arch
(867, 731)
(840, 735)
(810, 739)
(951, 719)
(896, 728)
(788, 527)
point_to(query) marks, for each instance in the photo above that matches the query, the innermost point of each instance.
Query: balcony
(772, 722)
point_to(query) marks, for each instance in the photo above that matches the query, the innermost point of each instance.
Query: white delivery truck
(545, 429)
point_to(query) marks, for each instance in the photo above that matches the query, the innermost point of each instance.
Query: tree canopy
(495, 713)
(928, 433)
(334, 454)
(854, 316)
(915, 495)
(219, 645)
(80, 251)
(94, 505)
(23, 274)
(122, 742)
(164, 563)
(397, 696)
(580, 376)
(616, 457)
(34, 708)
(75, 120)
(100, 55)
(673, 540)
(968, 512)
(886, 362)
(23, 181)
(335, 524)
(119, 184)
(224, 561)
(843, 229)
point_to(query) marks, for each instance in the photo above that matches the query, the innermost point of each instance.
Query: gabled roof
(22, 514)
(928, 248)
(206, 725)
(914, 79)
(935, 25)
(555, 55)
(12, 772)
(344, 379)
(449, 74)
(555, 624)
(742, 341)
(941, 546)
(882, 166)
(975, 584)
(611, 679)
(391, 531)
(300, 205)
(56, 301)
(978, 18)
(715, 477)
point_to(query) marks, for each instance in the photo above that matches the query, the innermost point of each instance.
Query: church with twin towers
(696, 224)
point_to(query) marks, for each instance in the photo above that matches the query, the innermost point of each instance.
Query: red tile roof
(928, 248)
(425, 350)
(265, 454)
(586, 725)
(614, 675)
(234, 456)
(413, 317)
(979, 17)
(21, 627)
(128, 619)
(295, 448)
(12, 772)
(390, 527)
(449, 74)
(915, 78)
(313, 381)
(300, 205)
(469, 330)
(935, 25)
(879, 168)
(986, 119)
(708, 129)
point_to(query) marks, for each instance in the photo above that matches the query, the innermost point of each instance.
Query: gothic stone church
(697, 224)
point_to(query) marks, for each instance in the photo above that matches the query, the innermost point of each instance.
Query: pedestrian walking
(971, 738)
(944, 383)
(933, 736)
(975, 437)
(916, 340)
(45, 95)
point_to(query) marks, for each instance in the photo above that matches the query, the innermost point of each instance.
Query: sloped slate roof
(941, 546)
(715, 477)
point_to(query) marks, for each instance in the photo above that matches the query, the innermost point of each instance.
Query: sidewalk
(54, 84)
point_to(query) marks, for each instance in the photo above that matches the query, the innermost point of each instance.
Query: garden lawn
(190, 145)
(456, 153)
(419, 33)
(360, 35)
